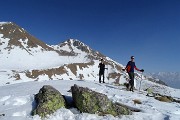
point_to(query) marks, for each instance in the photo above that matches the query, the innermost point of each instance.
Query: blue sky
(147, 29)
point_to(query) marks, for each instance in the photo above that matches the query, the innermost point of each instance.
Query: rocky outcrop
(93, 102)
(48, 101)
(162, 98)
(85, 100)
(165, 98)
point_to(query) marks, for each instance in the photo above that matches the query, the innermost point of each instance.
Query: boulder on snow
(163, 99)
(48, 101)
(93, 102)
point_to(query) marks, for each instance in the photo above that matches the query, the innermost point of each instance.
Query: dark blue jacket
(130, 67)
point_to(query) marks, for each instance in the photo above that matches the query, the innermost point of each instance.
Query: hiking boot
(131, 89)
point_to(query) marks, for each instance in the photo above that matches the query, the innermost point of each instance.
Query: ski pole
(140, 81)
(107, 74)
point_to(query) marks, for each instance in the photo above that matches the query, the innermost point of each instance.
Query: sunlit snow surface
(17, 101)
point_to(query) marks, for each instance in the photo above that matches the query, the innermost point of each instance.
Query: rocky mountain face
(25, 57)
(17, 36)
(77, 45)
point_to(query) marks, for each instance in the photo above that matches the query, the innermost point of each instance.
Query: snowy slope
(20, 50)
(17, 101)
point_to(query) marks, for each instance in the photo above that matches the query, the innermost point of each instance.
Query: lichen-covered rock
(163, 99)
(93, 102)
(48, 101)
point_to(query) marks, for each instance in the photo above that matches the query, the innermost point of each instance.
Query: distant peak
(73, 40)
(8, 23)
(2, 23)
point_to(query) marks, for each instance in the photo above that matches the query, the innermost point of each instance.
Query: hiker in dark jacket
(101, 67)
(130, 70)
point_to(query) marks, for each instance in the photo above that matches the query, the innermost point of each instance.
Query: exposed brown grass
(50, 72)
(137, 101)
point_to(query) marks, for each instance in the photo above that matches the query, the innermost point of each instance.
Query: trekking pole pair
(140, 81)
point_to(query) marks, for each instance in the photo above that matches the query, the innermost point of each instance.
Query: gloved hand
(123, 69)
(142, 70)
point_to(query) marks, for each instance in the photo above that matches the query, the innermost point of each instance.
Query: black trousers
(131, 82)
(101, 73)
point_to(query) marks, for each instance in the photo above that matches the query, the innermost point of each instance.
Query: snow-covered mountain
(172, 79)
(23, 54)
(25, 58)
(20, 50)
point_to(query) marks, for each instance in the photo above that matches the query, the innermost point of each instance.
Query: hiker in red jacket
(130, 70)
